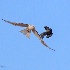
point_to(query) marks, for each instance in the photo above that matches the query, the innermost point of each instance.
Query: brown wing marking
(16, 24)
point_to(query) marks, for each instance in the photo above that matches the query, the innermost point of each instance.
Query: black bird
(48, 32)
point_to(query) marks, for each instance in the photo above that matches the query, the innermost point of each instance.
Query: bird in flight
(28, 30)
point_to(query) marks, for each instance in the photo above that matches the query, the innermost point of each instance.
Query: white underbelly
(30, 27)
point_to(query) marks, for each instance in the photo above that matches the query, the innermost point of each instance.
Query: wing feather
(16, 24)
(36, 33)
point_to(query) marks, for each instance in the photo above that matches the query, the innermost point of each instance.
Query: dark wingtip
(49, 48)
(53, 49)
(2, 19)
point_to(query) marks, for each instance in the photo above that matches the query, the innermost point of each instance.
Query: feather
(26, 32)
(16, 24)
(36, 33)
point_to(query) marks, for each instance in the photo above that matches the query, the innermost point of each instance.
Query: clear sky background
(17, 52)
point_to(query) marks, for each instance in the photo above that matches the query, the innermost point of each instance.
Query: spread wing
(16, 24)
(36, 33)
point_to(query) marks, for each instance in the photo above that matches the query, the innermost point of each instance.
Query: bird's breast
(30, 27)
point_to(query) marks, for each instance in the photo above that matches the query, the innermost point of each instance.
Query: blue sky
(20, 53)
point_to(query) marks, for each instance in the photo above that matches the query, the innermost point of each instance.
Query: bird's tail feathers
(25, 32)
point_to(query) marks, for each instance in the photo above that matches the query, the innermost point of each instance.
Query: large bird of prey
(28, 30)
